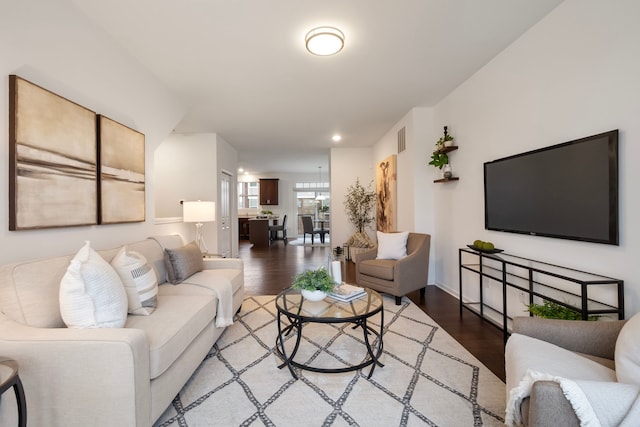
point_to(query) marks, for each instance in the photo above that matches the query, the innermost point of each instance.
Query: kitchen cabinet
(269, 191)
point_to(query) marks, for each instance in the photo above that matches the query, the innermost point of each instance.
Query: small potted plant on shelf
(314, 284)
(439, 159)
(446, 140)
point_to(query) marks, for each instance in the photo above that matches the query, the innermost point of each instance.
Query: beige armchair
(396, 277)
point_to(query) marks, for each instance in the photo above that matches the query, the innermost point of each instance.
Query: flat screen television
(567, 191)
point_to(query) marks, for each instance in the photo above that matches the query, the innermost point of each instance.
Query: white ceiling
(242, 69)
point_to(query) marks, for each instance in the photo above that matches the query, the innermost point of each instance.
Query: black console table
(503, 280)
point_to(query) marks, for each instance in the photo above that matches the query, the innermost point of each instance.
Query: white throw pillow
(627, 353)
(91, 293)
(140, 281)
(392, 245)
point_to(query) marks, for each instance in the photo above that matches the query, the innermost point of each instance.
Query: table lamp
(199, 212)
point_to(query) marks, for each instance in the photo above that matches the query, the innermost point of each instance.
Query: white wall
(347, 165)
(53, 45)
(415, 186)
(573, 74)
(189, 168)
(227, 161)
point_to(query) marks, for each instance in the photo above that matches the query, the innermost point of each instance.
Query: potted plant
(358, 205)
(439, 159)
(314, 284)
(552, 310)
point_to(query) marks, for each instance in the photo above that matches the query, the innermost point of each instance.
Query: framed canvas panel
(122, 179)
(52, 159)
(386, 194)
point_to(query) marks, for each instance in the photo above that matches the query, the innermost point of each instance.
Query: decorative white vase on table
(313, 295)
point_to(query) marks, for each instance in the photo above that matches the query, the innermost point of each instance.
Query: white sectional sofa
(109, 376)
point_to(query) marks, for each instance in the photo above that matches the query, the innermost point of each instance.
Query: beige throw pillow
(91, 293)
(140, 281)
(183, 262)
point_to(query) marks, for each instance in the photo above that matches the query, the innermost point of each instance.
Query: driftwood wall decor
(387, 198)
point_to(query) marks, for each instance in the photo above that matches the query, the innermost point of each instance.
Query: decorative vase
(313, 295)
(448, 143)
(446, 171)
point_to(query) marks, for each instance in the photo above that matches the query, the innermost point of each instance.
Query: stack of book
(346, 292)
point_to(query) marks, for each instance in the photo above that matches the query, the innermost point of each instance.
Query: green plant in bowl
(314, 280)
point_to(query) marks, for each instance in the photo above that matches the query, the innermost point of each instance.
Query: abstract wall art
(52, 159)
(122, 177)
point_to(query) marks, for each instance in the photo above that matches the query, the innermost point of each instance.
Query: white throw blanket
(224, 291)
(596, 403)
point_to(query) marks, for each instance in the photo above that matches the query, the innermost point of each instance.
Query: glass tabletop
(291, 302)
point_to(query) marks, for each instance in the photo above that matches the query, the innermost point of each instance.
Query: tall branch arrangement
(358, 204)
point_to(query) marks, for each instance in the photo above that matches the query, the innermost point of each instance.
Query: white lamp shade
(199, 211)
(324, 41)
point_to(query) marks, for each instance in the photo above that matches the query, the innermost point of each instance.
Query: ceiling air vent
(402, 142)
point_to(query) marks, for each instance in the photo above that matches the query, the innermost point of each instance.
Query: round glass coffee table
(299, 312)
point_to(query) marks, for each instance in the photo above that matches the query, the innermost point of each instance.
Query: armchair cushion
(392, 245)
(627, 353)
(380, 268)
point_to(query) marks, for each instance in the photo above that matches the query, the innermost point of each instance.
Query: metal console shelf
(526, 281)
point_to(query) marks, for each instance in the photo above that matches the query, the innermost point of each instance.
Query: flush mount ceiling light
(324, 41)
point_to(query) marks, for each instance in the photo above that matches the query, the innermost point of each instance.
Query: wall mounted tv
(568, 191)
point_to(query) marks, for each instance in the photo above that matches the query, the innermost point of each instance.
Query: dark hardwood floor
(269, 270)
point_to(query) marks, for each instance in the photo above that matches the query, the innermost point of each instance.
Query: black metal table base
(297, 324)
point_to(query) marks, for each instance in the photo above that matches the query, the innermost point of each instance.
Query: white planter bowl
(313, 295)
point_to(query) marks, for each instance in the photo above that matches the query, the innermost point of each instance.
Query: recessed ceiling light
(324, 41)
(240, 170)
(336, 138)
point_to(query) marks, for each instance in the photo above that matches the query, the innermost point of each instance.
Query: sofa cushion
(91, 293)
(380, 268)
(392, 245)
(627, 353)
(173, 326)
(139, 281)
(182, 262)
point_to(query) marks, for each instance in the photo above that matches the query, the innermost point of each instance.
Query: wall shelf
(445, 150)
(534, 282)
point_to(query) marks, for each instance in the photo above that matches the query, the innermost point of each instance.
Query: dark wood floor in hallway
(270, 270)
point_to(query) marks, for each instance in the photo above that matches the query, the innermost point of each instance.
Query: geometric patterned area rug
(428, 378)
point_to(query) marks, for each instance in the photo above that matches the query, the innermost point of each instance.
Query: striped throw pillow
(139, 280)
